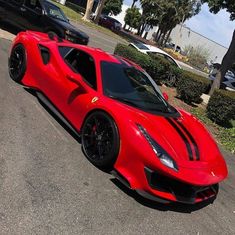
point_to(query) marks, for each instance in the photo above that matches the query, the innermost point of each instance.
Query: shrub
(157, 67)
(221, 106)
(191, 86)
(198, 56)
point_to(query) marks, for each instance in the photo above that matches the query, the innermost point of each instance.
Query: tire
(100, 140)
(17, 63)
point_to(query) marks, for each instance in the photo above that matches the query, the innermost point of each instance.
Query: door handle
(22, 9)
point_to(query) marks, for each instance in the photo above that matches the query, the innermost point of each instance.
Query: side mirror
(166, 97)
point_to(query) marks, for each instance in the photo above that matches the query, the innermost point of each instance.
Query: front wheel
(100, 139)
(17, 63)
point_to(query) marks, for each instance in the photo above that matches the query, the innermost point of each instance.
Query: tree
(198, 56)
(132, 17)
(113, 7)
(89, 6)
(98, 11)
(166, 14)
(229, 58)
(133, 3)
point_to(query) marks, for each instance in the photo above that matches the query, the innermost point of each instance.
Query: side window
(82, 63)
(170, 60)
(130, 45)
(33, 4)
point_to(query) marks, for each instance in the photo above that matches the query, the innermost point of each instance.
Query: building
(184, 36)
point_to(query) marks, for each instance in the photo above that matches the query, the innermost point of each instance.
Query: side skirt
(57, 113)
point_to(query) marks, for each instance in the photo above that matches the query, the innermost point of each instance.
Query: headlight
(159, 151)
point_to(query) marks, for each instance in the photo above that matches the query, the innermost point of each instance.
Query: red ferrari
(124, 121)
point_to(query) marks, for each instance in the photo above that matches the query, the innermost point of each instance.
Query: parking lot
(48, 187)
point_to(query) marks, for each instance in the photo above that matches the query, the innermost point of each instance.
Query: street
(47, 186)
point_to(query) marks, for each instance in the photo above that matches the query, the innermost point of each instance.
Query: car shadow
(9, 28)
(173, 206)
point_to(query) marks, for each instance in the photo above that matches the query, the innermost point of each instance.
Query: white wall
(187, 37)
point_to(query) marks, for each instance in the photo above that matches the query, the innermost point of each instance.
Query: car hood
(72, 28)
(184, 138)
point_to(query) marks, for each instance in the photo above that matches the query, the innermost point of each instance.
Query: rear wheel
(100, 139)
(17, 63)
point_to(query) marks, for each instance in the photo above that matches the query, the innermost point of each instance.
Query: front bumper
(176, 190)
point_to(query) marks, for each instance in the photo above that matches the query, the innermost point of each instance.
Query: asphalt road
(101, 40)
(48, 187)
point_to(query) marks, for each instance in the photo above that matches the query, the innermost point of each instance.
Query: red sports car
(124, 121)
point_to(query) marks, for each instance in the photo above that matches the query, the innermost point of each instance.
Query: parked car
(229, 78)
(40, 15)
(172, 46)
(125, 123)
(149, 49)
(110, 23)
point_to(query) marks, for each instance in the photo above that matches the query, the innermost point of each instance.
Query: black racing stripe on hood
(182, 135)
(191, 139)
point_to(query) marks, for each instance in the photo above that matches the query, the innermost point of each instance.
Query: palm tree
(133, 4)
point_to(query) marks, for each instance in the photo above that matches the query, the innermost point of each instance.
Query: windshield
(141, 46)
(163, 56)
(55, 11)
(132, 87)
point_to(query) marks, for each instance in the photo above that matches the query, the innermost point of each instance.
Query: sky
(216, 27)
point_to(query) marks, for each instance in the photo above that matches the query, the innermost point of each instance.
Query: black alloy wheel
(17, 63)
(100, 139)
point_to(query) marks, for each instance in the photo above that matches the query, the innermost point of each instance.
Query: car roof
(150, 48)
(155, 49)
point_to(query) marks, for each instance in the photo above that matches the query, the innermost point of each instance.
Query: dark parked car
(40, 15)
(110, 22)
(229, 78)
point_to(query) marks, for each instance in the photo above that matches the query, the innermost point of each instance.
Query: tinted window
(54, 11)
(164, 56)
(141, 46)
(133, 87)
(80, 62)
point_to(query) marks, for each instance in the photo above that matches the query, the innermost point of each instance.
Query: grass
(224, 136)
(76, 17)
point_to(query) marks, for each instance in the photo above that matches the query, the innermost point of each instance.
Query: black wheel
(17, 63)
(100, 139)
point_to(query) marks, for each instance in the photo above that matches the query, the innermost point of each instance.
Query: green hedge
(157, 67)
(221, 107)
(191, 86)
